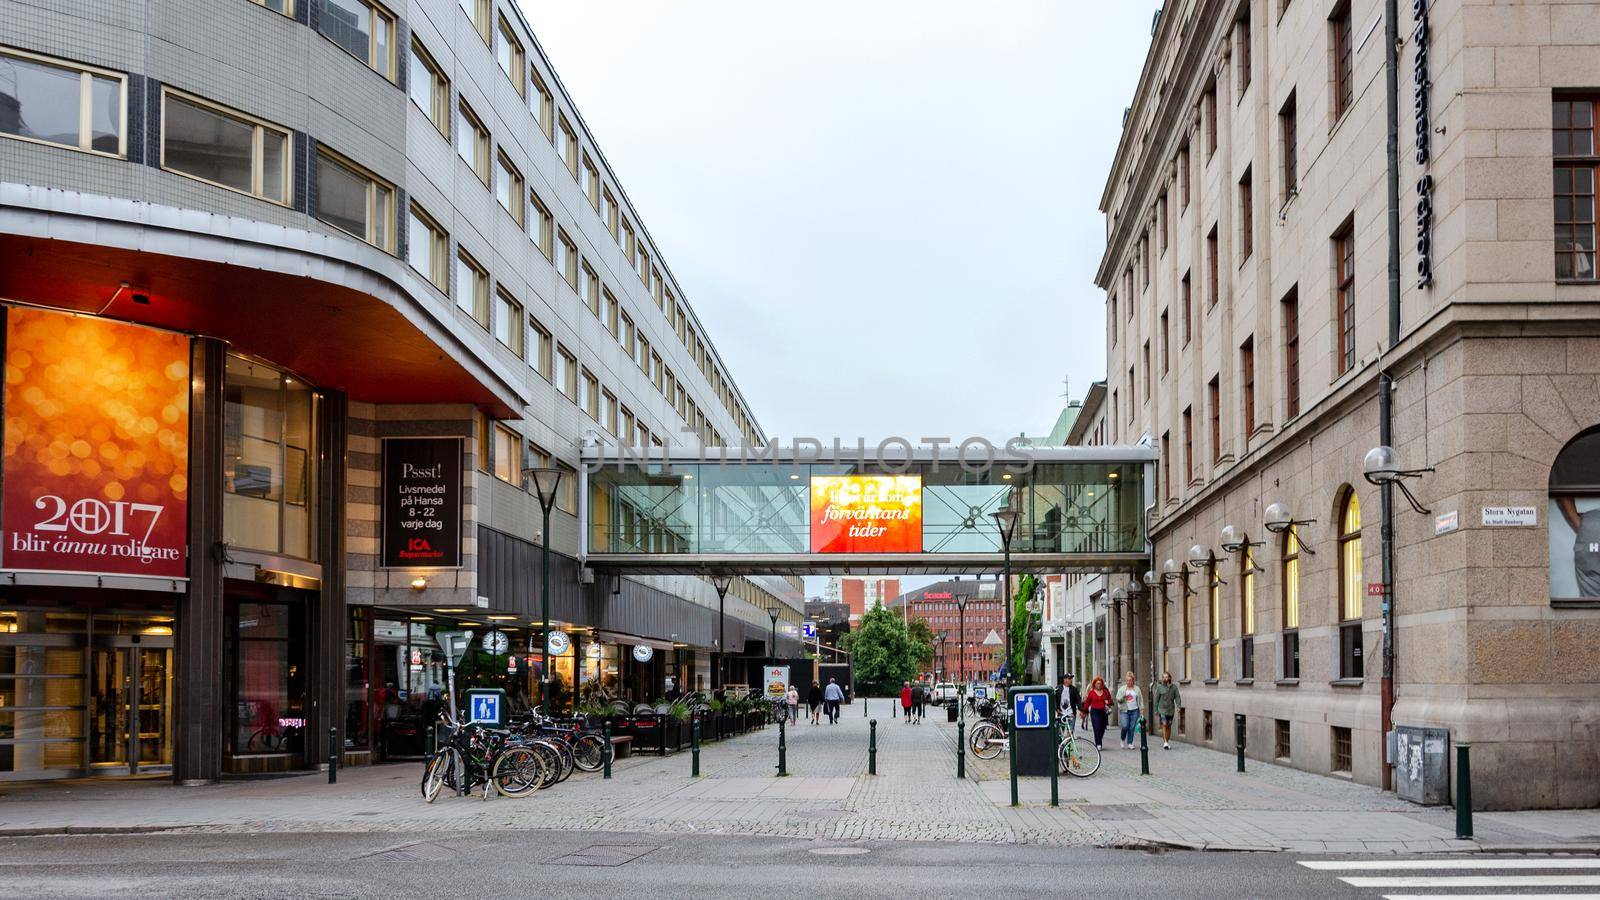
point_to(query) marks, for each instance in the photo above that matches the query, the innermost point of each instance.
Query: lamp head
(1199, 556)
(1231, 540)
(1278, 518)
(1381, 465)
(1171, 567)
(1006, 521)
(545, 482)
(1151, 579)
(722, 583)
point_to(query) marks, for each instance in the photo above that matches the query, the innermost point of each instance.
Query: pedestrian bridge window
(1575, 519)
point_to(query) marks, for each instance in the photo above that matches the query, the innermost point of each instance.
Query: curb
(90, 829)
(1585, 848)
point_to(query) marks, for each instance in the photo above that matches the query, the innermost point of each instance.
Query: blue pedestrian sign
(808, 630)
(486, 707)
(1031, 710)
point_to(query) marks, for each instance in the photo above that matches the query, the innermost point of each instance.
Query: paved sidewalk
(1192, 799)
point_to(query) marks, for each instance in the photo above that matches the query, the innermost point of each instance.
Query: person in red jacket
(1097, 703)
(905, 699)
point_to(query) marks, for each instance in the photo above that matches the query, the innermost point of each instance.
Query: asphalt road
(562, 864)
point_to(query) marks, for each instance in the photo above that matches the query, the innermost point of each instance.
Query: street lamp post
(1006, 521)
(545, 483)
(961, 638)
(772, 645)
(721, 583)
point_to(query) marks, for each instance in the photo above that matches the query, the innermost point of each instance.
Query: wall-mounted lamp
(1279, 519)
(1201, 559)
(1382, 466)
(1239, 542)
(419, 583)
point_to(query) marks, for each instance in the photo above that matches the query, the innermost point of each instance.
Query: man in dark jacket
(917, 699)
(1069, 700)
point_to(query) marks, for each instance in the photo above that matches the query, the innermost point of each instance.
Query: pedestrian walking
(1167, 699)
(1069, 700)
(832, 694)
(814, 702)
(1130, 702)
(794, 705)
(918, 698)
(1097, 705)
(905, 700)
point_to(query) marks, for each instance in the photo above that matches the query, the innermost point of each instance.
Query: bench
(622, 747)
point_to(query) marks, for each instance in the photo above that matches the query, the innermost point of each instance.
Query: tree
(922, 635)
(883, 652)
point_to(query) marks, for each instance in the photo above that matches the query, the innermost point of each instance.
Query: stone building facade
(1249, 335)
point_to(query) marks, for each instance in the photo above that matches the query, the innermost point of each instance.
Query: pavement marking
(1472, 881)
(1444, 864)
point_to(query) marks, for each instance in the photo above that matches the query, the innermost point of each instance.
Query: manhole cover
(602, 855)
(1116, 812)
(425, 851)
(839, 851)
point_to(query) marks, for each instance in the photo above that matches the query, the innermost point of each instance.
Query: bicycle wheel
(550, 759)
(987, 742)
(589, 752)
(1078, 758)
(518, 772)
(442, 770)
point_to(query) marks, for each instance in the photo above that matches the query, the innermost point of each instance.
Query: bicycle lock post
(783, 750)
(661, 734)
(1463, 791)
(1011, 754)
(1055, 764)
(1238, 738)
(607, 754)
(1144, 745)
(333, 755)
(872, 747)
(961, 750)
(694, 749)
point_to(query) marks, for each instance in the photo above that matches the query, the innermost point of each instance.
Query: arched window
(1351, 587)
(1290, 662)
(1188, 629)
(1247, 614)
(1575, 519)
(1214, 616)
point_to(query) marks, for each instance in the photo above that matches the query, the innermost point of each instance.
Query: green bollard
(694, 750)
(1011, 755)
(1238, 738)
(607, 739)
(333, 755)
(872, 748)
(783, 751)
(1463, 792)
(1055, 765)
(1144, 746)
(961, 750)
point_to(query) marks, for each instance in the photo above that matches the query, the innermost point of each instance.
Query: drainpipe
(1391, 29)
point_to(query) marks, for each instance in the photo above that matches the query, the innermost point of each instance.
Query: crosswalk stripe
(1491, 897)
(1471, 881)
(1401, 865)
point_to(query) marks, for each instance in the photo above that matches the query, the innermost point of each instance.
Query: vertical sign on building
(422, 503)
(1421, 84)
(96, 446)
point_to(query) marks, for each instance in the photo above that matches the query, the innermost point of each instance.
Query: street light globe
(1278, 518)
(1119, 595)
(1151, 579)
(1382, 464)
(1230, 540)
(1171, 567)
(1199, 556)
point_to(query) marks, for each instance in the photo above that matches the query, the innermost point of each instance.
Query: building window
(1147, 393)
(643, 354)
(1247, 218)
(1214, 269)
(542, 227)
(283, 7)
(1247, 383)
(509, 190)
(608, 411)
(1339, 31)
(1162, 222)
(1576, 167)
(591, 182)
(1291, 603)
(1188, 629)
(569, 145)
(506, 455)
(589, 288)
(609, 214)
(428, 248)
(1242, 49)
(1188, 444)
(354, 200)
(1183, 176)
(1209, 106)
(611, 316)
(508, 323)
(1166, 465)
(1247, 615)
(1214, 617)
(63, 104)
(365, 31)
(472, 288)
(1214, 395)
(567, 490)
(270, 446)
(567, 374)
(1344, 303)
(589, 395)
(1281, 748)
(472, 143)
(1351, 586)
(567, 265)
(267, 647)
(1165, 344)
(430, 90)
(538, 340)
(1111, 322)
(508, 53)
(543, 105)
(1186, 289)
(1574, 510)
(1341, 750)
(1206, 725)
(1288, 139)
(1291, 352)
(478, 12)
(221, 147)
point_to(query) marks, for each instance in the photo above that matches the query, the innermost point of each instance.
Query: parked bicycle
(1075, 756)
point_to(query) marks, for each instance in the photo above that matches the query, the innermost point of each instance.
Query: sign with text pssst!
(866, 514)
(96, 446)
(422, 503)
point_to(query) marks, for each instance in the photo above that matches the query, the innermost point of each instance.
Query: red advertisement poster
(96, 455)
(866, 514)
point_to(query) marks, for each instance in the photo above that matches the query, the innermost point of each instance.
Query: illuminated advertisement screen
(96, 456)
(866, 514)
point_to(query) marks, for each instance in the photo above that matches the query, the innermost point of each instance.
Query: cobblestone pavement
(1193, 798)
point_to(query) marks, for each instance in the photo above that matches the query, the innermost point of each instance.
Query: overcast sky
(886, 213)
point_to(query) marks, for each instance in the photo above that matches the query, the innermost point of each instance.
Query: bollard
(661, 735)
(1238, 738)
(333, 755)
(694, 750)
(961, 749)
(783, 751)
(1463, 792)
(872, 748)
(1011, 746)
(1144, 745)
(863, 707)
(1055, 764)
(430, 740)
(606, 736)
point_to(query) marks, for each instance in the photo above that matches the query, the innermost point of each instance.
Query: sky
(885, 213)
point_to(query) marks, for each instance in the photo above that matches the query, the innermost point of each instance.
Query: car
(944, 693)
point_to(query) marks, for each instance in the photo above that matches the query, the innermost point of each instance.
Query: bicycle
(1079, 758)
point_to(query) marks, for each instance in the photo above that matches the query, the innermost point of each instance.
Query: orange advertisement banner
(96, 454)
(866, 514)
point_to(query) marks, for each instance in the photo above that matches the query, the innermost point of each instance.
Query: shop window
(354, 200)
(1574, 516)
(358, 709)
(228, 149)
(1351, 587)
(269, 681)
(270, 448)
(61, 103)
(1214, 619)
(1247, 616)
(1290, 640)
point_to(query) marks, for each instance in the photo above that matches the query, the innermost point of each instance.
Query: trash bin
(950, 711)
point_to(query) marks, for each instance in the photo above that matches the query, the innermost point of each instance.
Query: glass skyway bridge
(676, 511)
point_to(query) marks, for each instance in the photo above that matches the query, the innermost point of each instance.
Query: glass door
(154, 710)
(110, 702)
(130, 705)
